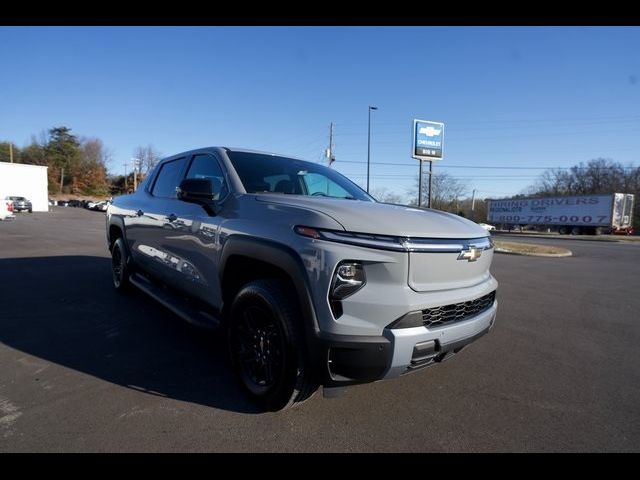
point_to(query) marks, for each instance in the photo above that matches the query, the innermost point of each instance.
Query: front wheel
(267, 347)
(120, 266)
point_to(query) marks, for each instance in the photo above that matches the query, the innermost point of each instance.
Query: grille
(456, 312)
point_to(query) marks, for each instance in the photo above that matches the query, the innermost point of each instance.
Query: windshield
(263, 173)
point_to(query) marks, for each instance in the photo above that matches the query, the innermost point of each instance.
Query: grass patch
(529, 248)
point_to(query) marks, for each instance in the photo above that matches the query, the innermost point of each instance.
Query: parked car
(313, 281)
(487, 227)
(21, 204)
(100, 206)
(6, 209)
(63, 203)
(622, 231)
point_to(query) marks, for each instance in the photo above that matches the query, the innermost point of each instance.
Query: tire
(120, 267)
(266, 345)
(564, 230)
(30, 210)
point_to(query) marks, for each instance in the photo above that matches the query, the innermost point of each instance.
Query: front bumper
(419, 347)
(352, 359)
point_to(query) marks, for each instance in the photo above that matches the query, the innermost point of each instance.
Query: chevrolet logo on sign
(471, 254)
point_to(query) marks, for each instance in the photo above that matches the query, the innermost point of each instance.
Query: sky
(514, 100)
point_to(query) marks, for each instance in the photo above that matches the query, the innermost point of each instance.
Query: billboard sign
(428, 140)
(586, 210)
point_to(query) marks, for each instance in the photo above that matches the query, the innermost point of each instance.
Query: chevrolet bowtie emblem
(471, 254)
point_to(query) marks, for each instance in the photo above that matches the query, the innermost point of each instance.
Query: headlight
(348, 278)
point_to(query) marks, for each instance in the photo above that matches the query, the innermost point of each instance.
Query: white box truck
(612, 212)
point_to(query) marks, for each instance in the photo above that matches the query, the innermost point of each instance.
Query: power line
(455, 131)
(496, 167)
(460, 136)
(556, 121)
(496, 193)
(399, 175)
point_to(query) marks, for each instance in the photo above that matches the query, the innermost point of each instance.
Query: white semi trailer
(571, 214)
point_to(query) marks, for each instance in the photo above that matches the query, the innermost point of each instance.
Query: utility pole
(369, 145)
(11, 151)
(61, 178)
(125, 176)
(136, 162)
(330, 156)
(473, 204)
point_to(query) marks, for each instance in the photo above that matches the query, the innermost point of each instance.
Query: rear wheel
(120, 266)
(267, 347)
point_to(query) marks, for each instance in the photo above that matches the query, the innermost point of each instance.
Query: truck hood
(383, 218)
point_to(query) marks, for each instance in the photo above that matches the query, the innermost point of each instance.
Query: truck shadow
(64, 310)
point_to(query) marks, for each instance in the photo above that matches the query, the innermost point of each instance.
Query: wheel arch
(115, 229)
(268, 257)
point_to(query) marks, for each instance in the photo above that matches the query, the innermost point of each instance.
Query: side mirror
(196, 190)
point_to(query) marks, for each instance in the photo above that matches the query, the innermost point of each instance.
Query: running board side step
(181, 307)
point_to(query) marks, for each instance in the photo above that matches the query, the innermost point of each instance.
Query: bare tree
(382, 194)
(148, 157)
(447, 191)
(596, 176)
(473, 210)
(94, 151)
(90, 172)
(553, 182)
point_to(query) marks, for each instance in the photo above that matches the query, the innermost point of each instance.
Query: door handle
(139, 213)
(172, 217)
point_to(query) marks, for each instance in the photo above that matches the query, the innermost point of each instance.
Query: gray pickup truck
(313, 281)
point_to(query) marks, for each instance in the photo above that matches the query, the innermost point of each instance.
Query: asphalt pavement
(85, 369)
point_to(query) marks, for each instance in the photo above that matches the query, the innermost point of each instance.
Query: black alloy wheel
(120, 269)
(259, 348)
(266, 345)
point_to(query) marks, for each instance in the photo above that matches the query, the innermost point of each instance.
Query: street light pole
(369, 145)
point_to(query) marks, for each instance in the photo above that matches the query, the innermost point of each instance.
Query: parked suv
(21, 204)
(313, 281)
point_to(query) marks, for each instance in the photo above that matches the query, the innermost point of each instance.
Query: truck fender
(286, 259)
(114, 220)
